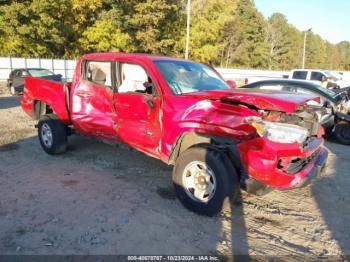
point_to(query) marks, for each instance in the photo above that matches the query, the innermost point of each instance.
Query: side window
(99, 73)
(271, 87)
(317, 76)
(134, 79)
(308, 92)
(300, 75)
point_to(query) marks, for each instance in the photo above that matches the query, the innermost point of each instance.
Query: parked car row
(219, 139)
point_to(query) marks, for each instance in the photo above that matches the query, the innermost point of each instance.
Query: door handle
(84, 94)
(150, 103)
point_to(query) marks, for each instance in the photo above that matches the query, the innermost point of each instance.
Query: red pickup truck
(183, 113)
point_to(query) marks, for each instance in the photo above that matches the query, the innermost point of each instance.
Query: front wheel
(203, 179)
(52, 135)
(342, 132)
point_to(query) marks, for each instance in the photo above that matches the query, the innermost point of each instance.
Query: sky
(328, 18)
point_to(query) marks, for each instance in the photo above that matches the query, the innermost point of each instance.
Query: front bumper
(262, 160)
(318, 168)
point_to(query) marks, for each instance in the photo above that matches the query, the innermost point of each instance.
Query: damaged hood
(262, 99)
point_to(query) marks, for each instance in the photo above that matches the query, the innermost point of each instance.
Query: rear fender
(46, 97)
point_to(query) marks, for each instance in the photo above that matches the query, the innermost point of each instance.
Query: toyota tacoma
(218, 139)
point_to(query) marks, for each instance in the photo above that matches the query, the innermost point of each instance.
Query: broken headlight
(280, 132)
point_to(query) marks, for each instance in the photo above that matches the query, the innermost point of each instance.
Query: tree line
(228, 33)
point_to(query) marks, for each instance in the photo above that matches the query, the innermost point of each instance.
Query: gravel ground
(103, 199)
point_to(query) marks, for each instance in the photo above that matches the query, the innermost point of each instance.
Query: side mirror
(150, 88)
(232, 84)
(324, 78)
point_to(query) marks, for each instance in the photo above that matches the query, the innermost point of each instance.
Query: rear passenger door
(93, 110)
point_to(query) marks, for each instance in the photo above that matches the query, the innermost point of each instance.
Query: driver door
(138, 108)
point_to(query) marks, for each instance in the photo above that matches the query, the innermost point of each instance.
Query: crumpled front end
(281, 165)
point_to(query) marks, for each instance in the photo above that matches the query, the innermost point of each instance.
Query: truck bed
(41, 93)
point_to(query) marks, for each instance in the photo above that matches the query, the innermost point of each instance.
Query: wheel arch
(40, 109)
(225, 144)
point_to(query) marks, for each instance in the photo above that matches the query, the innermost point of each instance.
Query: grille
(297, 165)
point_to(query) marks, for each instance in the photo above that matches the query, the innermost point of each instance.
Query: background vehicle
(335, 106)
(15, 82)
(324, 78)
(184, 114)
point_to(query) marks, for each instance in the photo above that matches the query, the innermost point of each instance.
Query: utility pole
(188, 10)
(304, 50)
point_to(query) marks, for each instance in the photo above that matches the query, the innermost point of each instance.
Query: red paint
(100, 112)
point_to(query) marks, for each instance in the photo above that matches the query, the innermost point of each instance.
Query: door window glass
(133, 78)
(99, 73)
(316, 76)
(300, 75)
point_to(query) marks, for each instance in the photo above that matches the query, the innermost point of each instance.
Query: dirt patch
(3, 88)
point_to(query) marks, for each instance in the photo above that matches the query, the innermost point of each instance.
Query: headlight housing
(280, 132)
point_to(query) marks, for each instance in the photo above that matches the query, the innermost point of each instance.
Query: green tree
(316, 52)
(285, 43)
(46, 28)
(155, 25)
(209, 19)
(344, 53)
(247, 43)
(333, 57)
(105, 36)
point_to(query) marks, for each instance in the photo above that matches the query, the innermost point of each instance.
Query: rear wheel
(12, 90)
(342, 132)
(52, 134)
(204, 178)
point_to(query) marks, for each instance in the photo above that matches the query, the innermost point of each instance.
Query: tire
(12, 90)
(342, 132)
(220, 171)
(52, 135)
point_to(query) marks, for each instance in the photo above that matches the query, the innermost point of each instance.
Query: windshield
(332, 75)
(39, 72)
(189, 77)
